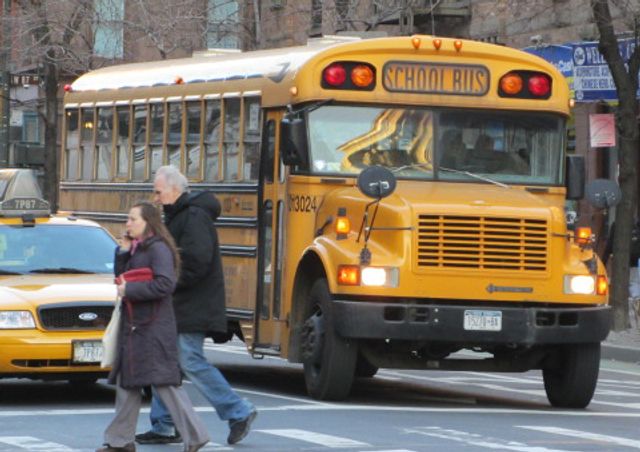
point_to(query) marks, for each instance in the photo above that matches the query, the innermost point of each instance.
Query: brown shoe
(130, 447)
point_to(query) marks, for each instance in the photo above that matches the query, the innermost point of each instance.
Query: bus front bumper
(529, 325)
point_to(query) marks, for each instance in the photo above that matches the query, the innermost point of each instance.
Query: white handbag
(110, 337)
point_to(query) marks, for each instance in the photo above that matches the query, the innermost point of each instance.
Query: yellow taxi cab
(56, 287)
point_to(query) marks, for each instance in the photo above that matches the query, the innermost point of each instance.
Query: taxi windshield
(438, 144)
(55, 249)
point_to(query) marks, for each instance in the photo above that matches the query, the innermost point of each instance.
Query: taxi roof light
(22, 196)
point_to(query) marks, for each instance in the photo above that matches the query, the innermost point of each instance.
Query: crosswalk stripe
(333, 442)
(33, 444)
(477, 440)
(634, 443)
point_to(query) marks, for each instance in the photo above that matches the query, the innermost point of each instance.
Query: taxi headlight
(379, 276)
(12, 320)
(579, 284)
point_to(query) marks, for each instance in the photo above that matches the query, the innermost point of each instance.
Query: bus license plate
(475, 320)
(87, 351)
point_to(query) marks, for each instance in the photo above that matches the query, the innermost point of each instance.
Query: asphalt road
(396, 411)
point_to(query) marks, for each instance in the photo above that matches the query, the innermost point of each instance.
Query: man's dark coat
(198, 300)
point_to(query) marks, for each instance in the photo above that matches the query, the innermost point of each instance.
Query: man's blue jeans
(208, 380)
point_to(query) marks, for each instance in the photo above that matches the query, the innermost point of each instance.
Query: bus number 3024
(302, 203)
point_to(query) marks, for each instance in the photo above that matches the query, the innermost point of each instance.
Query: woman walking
(147, 342)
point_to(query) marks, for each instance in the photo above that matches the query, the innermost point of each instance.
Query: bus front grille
(484, 243)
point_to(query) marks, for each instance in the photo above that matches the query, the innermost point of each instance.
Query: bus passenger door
(269, 320)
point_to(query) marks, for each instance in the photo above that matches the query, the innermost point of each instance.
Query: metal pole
(5, 55)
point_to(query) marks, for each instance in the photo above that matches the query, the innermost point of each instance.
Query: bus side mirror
(575, 176)
(293, 141)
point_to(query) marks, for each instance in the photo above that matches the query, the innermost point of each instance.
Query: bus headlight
(379, 276)
(13, 320)
(579, 284)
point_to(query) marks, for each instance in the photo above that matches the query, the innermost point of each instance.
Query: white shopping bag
(110, 337)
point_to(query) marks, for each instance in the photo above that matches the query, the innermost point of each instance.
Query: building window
(108, 28)
(223, 25)
(30, 127)
(316, 17)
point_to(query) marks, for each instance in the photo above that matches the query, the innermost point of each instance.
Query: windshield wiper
(7, 272)
(474, 175)
(411, 165)
(70, 270)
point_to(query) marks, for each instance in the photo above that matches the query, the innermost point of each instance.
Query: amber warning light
(583, 235)
(349, 275)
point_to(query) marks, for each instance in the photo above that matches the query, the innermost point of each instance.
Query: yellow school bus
(387, 203)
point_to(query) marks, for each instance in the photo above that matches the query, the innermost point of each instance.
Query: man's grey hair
(173, 177)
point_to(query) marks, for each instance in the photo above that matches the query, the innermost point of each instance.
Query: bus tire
(329, 360)
(364, 369)
(571, 377)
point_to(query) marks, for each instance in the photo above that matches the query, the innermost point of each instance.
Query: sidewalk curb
(620, 353)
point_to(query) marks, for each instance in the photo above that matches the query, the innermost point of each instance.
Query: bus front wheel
(329, 360)
(571, 375)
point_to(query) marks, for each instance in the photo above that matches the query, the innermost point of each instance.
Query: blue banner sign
(591, 77)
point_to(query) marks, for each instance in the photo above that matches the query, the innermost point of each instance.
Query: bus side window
(174, 136)
(156, 138)
(139, 141)
(104, 141)
(231, 140)
(122, 143)
(192, 139)
(252, 121)
(87, 151)
(212, 141)
(71, 150)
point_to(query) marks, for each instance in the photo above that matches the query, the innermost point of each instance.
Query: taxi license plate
(476, 320)
(87, 351)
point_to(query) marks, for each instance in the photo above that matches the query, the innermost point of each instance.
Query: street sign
(602, 130)
(592, 79)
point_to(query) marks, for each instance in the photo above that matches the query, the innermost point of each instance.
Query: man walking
(199, 304)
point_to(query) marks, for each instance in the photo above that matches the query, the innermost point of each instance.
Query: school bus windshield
(431, 144)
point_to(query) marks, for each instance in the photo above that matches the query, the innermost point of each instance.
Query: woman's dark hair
(155, 226)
